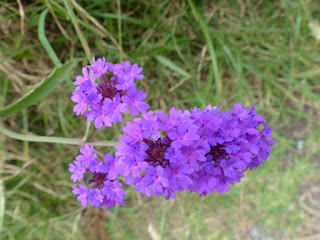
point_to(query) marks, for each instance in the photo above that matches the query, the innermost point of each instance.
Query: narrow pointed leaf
(46, 86)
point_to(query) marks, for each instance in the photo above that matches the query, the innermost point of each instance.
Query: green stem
(25, 130)
(58, 140)
(87, 131)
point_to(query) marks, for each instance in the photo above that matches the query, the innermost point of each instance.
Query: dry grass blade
(153, 232)
(312, 237)
(63, 31)
(2, 204)
(44, 189)
(22, 16)
(82, 39)
(202, 59)
(95, 22)
(306, 207)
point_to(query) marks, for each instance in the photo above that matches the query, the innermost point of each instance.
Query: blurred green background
(194, 53)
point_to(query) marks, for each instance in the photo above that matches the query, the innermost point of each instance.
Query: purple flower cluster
(110, 98)
(105, 190)
(198, 150)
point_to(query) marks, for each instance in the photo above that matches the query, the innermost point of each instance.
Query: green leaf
(47, 46)
(45, 87)
(44, 41)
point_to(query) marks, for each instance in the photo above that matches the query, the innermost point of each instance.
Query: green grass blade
(312, 73)
(119, 30)
(44, 41)
(47, 46)
(45, 87)
(171, 65)
(4, 91)
(83, 40)
(124, 18)
(214, 63)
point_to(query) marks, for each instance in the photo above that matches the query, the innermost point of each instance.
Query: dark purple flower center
(218, 152)
(156, 152)
(97, 179)
(107, 89)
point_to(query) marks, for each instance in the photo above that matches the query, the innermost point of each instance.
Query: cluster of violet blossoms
(110, 98)
(201, 150)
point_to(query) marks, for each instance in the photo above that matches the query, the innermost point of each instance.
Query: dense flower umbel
(201, 151)
(233, 143)
(105, 189)
(198, 150)
(110, 98)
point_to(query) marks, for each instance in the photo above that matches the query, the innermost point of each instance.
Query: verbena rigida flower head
(202, 150)
(233, 144)
(102, 188)
(108, 90)
(152, 151)
(197, 150)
